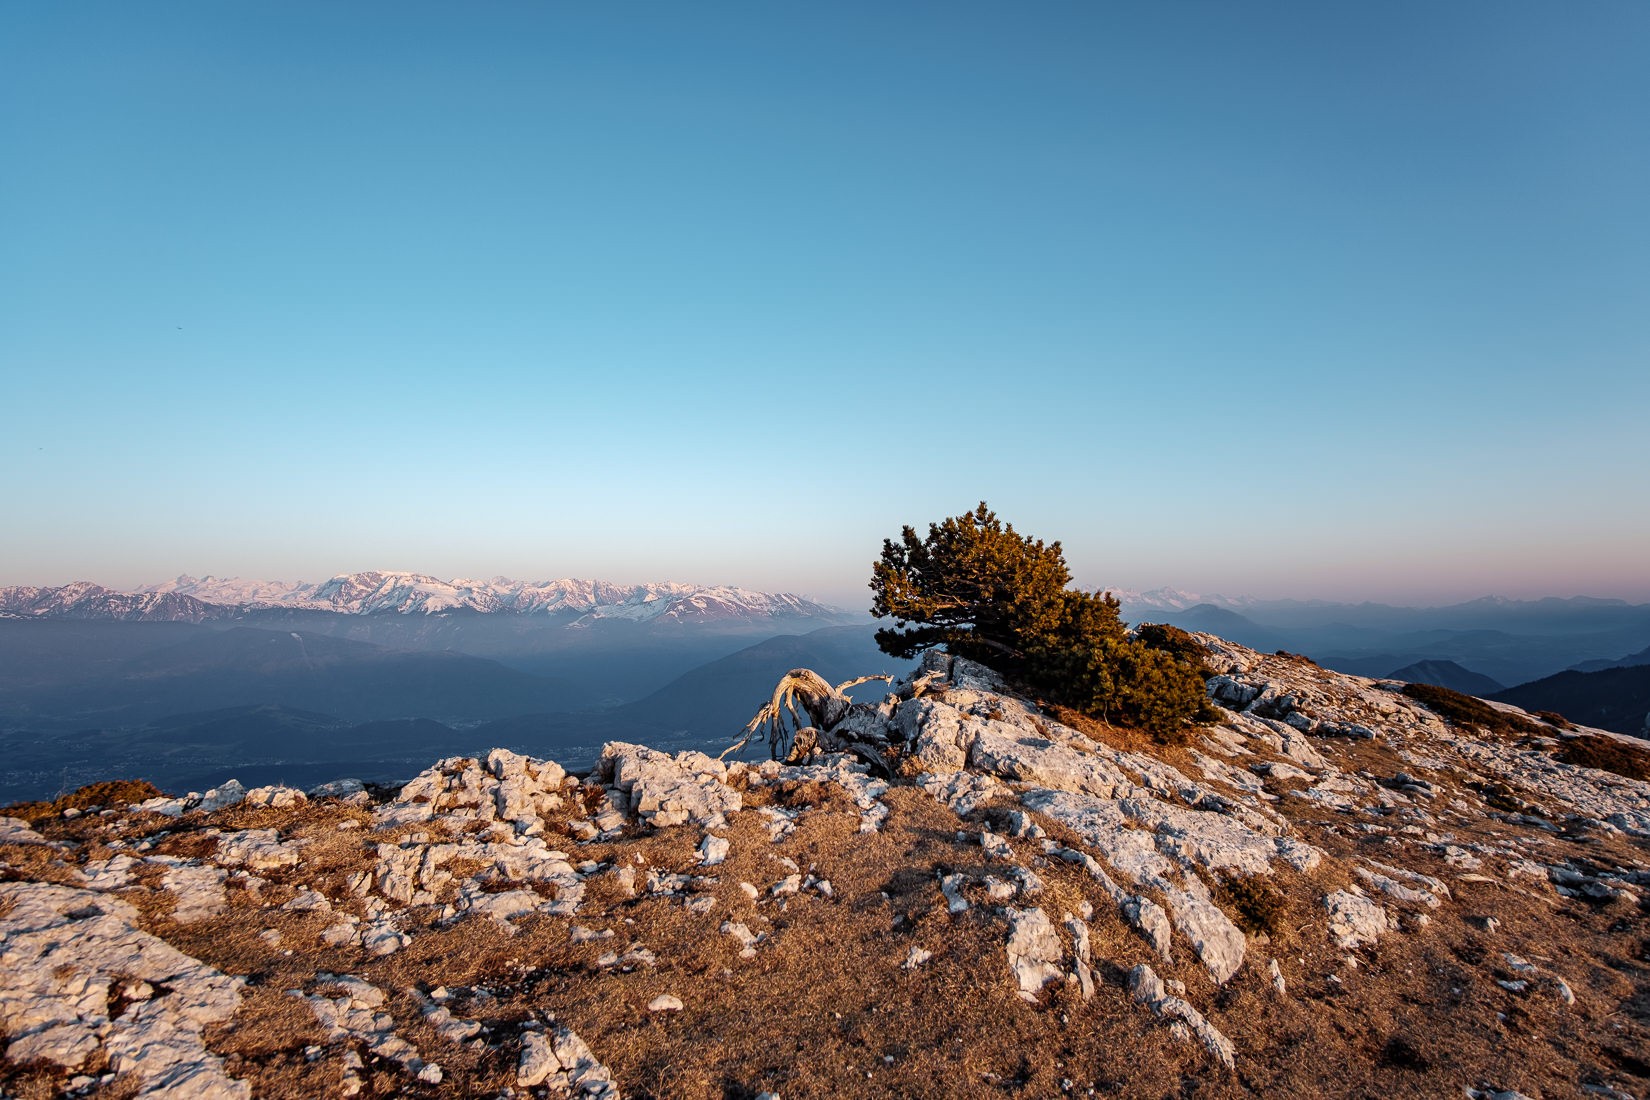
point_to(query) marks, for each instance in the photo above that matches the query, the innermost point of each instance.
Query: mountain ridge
(202, 599)
(1616, 699)
(1447, 674)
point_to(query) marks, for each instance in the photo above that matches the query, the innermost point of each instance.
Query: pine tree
(973, 586)
(983, 591)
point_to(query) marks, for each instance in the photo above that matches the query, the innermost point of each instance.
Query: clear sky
(1280, 299)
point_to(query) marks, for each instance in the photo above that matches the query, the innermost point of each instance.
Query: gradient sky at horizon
(1300, 300)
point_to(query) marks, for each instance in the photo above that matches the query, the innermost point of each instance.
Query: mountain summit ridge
(1009, 905)
(197, 599)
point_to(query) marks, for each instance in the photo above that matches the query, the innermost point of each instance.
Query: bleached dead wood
(802, 701)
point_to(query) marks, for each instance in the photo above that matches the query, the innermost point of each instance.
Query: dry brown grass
(824, 1001)
(1126, 738)
(109, 793)
(1605, 754)
(34, 863)
(1255, 904)
(1467, 710)
(825, 1009)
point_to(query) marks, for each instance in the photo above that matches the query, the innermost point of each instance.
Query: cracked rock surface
(67, 954)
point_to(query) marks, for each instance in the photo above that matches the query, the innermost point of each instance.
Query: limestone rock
(964, 792)
(1149, 990)
(713, 850)
(1201, 838)
(354, 1015)
(196, 889)
(847, 772)
(220, 797)
(665, 790)
(111, 873)
(1082, 957)
(452, 1028)
(935, 732)
(16, 831)
(537, 1061)
(276, 797)
(1354, 920)
(339, 788)
(951, 886)
(1218, 943)
(747, 939)
(414, 873)
(558, 1058)
(61, 950)
(308, 901)
(1010, 753)
(1034, 951)
(1425, 891)
(257, 849)
(1149, 919)
(229, 793)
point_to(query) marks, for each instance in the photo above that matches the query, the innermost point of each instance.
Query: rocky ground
(1335, 891)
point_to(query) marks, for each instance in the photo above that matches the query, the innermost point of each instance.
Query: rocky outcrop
(1150, 991)
(218, 798)
(352, 1012)
(67, 955)
(560, 1060)
(1329, 835)
(506, 787)
(666, 790)
(1034, 951)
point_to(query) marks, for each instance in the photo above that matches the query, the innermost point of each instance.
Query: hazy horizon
(1303, 301)
(851, 598)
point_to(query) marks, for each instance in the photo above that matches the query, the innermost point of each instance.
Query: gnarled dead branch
(802, 699)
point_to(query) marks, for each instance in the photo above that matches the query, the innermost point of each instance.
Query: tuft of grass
(1125, 738)
(1553, 718)
(1465, 710)
(1255, 903)
(108, 793)
(590, 796)
(1606, 754)
(796, 793)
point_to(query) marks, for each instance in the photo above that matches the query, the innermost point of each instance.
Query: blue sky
(1277, 299)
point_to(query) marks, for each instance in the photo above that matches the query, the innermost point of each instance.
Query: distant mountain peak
(1449, 674)
(87, 600)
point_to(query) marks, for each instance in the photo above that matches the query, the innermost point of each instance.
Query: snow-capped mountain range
(1172, 599)
(198, 599)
